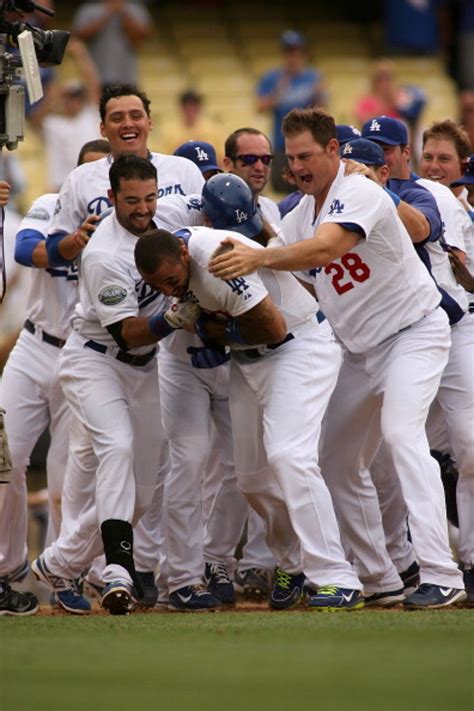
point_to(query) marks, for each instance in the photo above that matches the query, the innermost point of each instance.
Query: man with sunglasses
(248, 154)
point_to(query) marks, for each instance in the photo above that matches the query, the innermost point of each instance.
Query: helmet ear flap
(229, 204)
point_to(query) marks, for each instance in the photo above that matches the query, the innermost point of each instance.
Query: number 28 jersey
(380, 286)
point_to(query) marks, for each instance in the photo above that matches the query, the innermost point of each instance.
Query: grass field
(229, 661)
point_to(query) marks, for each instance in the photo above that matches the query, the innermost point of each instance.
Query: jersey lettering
(336, 207)
(98, 205)
(170, 189)
(145, 293)
(351, 268)
(238, 285)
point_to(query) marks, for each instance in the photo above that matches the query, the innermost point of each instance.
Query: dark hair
(114, 91)
(190, 96)
(449, 131)
(127, 167)
(154, 247)
(321, 124)
(230, 146)
(99, 145)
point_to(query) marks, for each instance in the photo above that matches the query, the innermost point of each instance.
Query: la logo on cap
(241, 216)
(347, 149)
(201, 154)
(374, 126)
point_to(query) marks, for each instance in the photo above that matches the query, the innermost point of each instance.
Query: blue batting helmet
(229, 204)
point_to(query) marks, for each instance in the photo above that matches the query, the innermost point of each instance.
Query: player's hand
(82, 235)
(234, 259)
(352, 167)
(183, 314)
(4, 193)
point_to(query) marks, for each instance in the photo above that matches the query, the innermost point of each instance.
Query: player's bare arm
(262, 324)
(330, 242)
(4, 193)
(415, 223)
(71, 245)
(139, 331)
(39, 256)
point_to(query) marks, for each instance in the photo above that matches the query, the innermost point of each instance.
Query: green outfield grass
(249, 661)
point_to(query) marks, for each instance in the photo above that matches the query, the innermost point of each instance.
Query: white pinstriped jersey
(381, 285)
(53, 292)
(237, 296)
(85, 190)
(110, 287)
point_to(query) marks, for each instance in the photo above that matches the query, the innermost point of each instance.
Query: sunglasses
(251, 158)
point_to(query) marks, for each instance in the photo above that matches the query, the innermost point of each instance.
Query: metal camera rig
(35, 47)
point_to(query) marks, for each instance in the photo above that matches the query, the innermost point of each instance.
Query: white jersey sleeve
(53, 291)
(178, 211)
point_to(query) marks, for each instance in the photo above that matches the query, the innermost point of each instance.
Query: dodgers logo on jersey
(194, 204)
(112, 295)
(238, 285)
(241, 216)
(336, 207)
(374, 126)
(201, 154)
(98, 205)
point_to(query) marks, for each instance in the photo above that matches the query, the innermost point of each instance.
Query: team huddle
(211, 365)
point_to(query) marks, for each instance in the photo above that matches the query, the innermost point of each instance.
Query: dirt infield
(241, 606)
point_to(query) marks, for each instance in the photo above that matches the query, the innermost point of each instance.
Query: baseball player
(446, 149)
(383, 307)
(12, 602)
(30, 390)
(344, 133)
(431, 252)
(126, 123)
(274, 351)
(109, 376)
(456, 392)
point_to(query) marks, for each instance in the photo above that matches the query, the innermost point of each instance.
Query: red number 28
(351, 266)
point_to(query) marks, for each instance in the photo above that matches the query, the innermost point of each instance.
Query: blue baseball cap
(345, 133)
(200, 153)
(468, 176)
(385, 129)
(363, 151)
(290, 39)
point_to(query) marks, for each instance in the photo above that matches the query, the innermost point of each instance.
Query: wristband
(394, 197)
(233, 333)
(160, 326)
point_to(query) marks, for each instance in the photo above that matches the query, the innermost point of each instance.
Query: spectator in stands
(64, 133)
(190, 123)
(387, 98)
(293, 85)
(114, 31)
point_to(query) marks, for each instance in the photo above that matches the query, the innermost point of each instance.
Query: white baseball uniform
(84, 193)
(196, 420)
(278, 396)
(115, 400)
(31, 394)
(382, 304)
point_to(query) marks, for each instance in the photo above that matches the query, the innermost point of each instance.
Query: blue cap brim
(466, 180)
